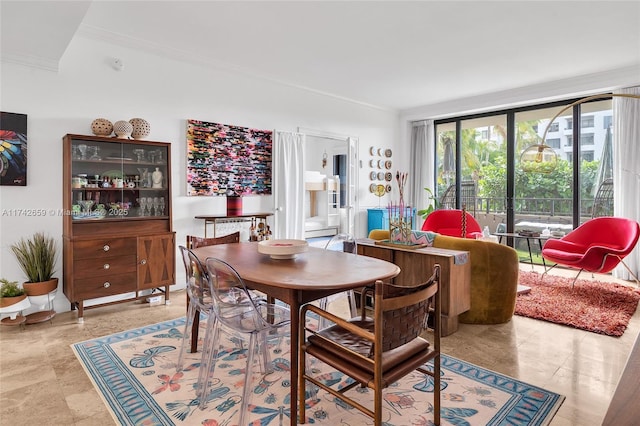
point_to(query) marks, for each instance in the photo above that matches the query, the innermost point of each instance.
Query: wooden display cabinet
(117, 232)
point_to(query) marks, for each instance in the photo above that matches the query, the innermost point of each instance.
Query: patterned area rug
(134, 372)
(600, 307)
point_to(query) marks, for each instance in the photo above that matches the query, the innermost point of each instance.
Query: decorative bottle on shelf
(156, 178)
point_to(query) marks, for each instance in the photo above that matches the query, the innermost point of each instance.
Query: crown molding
(582, 85)
(180, 55)
(31, 61)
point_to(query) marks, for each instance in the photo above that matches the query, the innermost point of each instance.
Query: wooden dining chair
(378, 351)
(346, 243)
(192, 243)
(195, 242)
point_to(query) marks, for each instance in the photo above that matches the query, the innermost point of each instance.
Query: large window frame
(573, 150)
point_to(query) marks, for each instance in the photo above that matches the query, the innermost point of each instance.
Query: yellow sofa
(494, 277)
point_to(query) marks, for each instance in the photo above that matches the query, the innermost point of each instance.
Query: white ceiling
(390, 54)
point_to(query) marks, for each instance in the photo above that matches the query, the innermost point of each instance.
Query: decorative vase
(123, 129)
(141, 128)
(13, 309)
(156, 178)
(101, 127)
(5, 302)
(234, 205)
(41, 288)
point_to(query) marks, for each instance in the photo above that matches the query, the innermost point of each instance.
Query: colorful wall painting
(228, 160)
(13, 149)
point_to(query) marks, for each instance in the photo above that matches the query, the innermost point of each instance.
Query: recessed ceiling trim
(31, 61)
(101, 34)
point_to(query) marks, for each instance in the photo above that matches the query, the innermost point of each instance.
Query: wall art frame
(229, 160)
(13, 149)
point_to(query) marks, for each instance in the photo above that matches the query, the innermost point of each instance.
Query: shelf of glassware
(118, 180)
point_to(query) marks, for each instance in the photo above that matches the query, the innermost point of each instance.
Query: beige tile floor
(42, 383)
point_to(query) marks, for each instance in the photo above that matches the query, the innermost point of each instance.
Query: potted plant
(433, 204)
(37, 258)
(10, 293)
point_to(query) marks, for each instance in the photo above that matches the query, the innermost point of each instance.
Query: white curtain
(288, 184)
(626, 178)
(422, 165)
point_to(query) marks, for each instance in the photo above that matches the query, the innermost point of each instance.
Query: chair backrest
(405, 310)
(197, 284)
(195, 242)
(449, 222)
(603, 201)
(468, 192)
(342, 242)
(618, 233)
(233, 303)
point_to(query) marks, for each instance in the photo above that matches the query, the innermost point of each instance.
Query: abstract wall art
(13, 149)
(228, 160)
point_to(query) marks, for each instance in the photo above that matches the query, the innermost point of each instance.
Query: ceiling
(389, 54)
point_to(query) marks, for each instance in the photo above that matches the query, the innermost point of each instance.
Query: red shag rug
(595, 306)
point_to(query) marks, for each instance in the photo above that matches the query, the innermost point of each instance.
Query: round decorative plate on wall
(387, 153)
(373, 175)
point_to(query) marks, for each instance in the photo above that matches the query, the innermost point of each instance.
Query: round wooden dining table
(309, 276)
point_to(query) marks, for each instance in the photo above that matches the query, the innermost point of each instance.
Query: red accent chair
(597, 245)
(449, 222)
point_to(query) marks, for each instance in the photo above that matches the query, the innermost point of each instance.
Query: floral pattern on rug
(135, 373)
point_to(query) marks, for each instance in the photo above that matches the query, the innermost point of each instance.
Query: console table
(248, 217)
(416, 265)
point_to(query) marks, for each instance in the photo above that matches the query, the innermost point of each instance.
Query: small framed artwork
(13, 149)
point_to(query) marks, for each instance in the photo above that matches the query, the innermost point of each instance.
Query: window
(504, 189)
(554, 143)
(586, 121)
(586, 139)
(587, 156)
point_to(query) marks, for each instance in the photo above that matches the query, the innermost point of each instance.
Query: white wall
(166, 93)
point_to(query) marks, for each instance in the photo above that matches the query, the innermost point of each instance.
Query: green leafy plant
(433, 204)
(10, 288)
(36, 257)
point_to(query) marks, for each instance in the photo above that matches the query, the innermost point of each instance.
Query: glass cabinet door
(118, 180)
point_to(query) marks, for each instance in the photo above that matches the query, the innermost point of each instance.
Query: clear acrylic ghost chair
(199, 299)
(346, 243)
(235, 310)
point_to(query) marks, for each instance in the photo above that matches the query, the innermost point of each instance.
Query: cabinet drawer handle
(106, 247)
(107, 284)
(106, 266)
(143, 262)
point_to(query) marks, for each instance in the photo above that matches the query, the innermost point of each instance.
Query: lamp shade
(539, 158)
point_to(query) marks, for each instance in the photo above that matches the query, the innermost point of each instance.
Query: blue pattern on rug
(134, 372)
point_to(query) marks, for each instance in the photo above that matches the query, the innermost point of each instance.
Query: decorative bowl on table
(282, 249)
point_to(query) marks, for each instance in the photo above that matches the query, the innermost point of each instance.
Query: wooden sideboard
(416, 265)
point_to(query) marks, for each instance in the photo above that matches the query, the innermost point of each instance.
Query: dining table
(308, 276)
